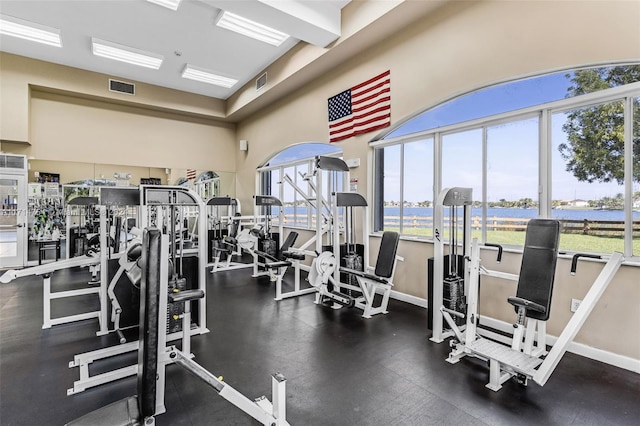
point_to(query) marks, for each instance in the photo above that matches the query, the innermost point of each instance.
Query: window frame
(543, 113)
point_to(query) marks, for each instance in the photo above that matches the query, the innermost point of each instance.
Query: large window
(567, 150)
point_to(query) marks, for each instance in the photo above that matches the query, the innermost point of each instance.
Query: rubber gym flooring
(341, 368)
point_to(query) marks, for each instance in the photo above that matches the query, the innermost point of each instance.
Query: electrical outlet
(575, 303)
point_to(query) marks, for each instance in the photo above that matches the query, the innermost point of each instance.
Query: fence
(583, 226)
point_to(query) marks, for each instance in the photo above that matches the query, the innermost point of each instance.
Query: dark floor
(341, 368)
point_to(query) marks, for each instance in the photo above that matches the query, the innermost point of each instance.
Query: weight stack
(452, 290)
(175, 325)
(351, 256)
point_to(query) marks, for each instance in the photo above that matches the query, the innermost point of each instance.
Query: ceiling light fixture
(26, 30)
(130, 55)
(199, 74)
(244, 26)
(169, 4)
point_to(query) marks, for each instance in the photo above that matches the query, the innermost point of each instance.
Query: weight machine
(94, 259)
(526, 358)
(447, 285)
(154, 355)
(272, 260)
(224, 233)
(325, 176)
(160, 207)
(329, 278)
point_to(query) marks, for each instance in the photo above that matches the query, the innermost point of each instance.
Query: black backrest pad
(387, 254)
(539, 264)
(149, 301)
(289, 241)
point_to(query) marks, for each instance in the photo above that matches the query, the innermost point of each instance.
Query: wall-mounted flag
(361, 109)
(191, 174)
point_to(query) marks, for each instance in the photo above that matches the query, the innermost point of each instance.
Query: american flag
(361, 109)
(191, 174)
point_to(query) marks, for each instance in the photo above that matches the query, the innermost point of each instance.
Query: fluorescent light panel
(169, 4)
(246, 27)
(26, 30)
(130, 55)
(199, 74)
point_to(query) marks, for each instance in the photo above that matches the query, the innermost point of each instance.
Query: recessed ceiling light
(29, 31)
(199, 74)
(244, 26)
(130, 55)
(169, 4)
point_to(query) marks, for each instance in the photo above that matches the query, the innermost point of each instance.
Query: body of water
(617, 215)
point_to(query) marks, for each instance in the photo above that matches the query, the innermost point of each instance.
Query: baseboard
(581, 349)
(403, 297)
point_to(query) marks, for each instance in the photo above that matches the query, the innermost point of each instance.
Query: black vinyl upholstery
(149, 301)
(133, 410)
(538, 267)
(288, 242)
(387, 254)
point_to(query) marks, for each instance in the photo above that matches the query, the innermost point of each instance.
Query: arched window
(285, 175)
(562, 145)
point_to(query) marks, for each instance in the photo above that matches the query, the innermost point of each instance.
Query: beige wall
(64, 114)
(20, 75)
(460, 48)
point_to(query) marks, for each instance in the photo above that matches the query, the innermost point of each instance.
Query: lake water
(504, 212)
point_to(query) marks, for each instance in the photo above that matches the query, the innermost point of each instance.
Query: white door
(13, 220)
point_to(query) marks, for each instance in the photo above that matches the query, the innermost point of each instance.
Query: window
(592, 216)
(512, 180)
(563, 146)
(289, 176)
(417, 183)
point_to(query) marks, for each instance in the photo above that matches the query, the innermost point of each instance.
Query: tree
(594, 150)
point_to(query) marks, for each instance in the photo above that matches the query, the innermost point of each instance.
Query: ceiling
(186, 36)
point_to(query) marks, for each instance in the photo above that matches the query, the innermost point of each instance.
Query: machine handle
(499, 247)
(574, 261)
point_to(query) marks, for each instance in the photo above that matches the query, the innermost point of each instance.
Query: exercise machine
(329, 175)
(159, 207)
(154, 356)
(446, 272)
(526, 358)
(223, 235)
(94, 259)
(271, 260)
(332, 281)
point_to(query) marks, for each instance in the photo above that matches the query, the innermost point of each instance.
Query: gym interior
(465, 252)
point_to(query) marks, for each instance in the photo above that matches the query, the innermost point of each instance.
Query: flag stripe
(372, 79)
(363, 108)
(384, 99)
(370, 89)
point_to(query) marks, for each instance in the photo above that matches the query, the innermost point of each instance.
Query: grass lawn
(568, 242)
